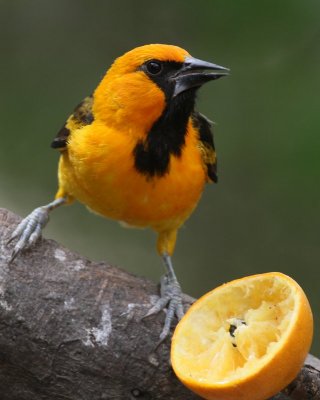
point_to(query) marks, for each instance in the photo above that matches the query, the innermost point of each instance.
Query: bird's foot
(171, 298)
(29, 230)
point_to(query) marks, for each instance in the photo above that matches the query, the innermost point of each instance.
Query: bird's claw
(29, 230)
(171, 298)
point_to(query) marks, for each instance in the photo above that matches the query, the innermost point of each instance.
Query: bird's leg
(29, 229)
(171, 297)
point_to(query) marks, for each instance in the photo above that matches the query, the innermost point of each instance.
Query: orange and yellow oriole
(137, 151)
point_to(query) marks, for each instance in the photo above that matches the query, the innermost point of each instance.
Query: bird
(137, 151)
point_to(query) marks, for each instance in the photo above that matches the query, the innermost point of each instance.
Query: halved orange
(245, 340)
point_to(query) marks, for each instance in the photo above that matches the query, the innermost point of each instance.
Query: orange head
(139, 86)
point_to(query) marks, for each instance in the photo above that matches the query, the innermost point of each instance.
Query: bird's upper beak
(194, 73)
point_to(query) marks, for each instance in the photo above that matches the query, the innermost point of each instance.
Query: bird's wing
(81, 116)
(206, 144)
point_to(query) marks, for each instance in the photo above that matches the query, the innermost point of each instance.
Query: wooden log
(71, 329)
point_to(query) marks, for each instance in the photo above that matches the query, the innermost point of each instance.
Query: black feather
(81, 116)
(167, 135)
(204, 127)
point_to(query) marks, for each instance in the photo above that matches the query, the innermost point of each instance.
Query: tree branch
(71, 329)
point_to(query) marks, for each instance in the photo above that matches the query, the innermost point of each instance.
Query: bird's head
(141, 84)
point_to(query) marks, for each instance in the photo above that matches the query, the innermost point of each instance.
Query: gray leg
(171, 297)
(29, 229)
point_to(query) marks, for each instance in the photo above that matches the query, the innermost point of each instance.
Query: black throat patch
(167, 135)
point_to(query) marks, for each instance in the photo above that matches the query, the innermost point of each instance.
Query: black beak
(194, 74)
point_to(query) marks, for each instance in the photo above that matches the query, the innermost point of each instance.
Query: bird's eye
(154, 67)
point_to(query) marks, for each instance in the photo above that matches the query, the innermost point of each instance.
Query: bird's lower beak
(194, 73)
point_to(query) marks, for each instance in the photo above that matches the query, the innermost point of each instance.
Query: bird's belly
(112, 187)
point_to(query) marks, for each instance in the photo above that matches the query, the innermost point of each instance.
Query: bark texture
(71, 329)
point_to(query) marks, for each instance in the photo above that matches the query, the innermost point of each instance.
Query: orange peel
(246, 339)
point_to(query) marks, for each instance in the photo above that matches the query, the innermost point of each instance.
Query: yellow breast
(98, 170)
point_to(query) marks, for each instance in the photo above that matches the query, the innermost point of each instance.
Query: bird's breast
(99, 170)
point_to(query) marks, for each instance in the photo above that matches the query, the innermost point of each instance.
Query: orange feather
(98, 167)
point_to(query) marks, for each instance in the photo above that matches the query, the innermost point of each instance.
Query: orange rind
(246, 339)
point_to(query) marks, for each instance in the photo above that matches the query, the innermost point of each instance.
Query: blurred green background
(264, 213)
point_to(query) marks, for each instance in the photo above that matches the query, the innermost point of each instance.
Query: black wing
(81, 116)
(206, 144)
